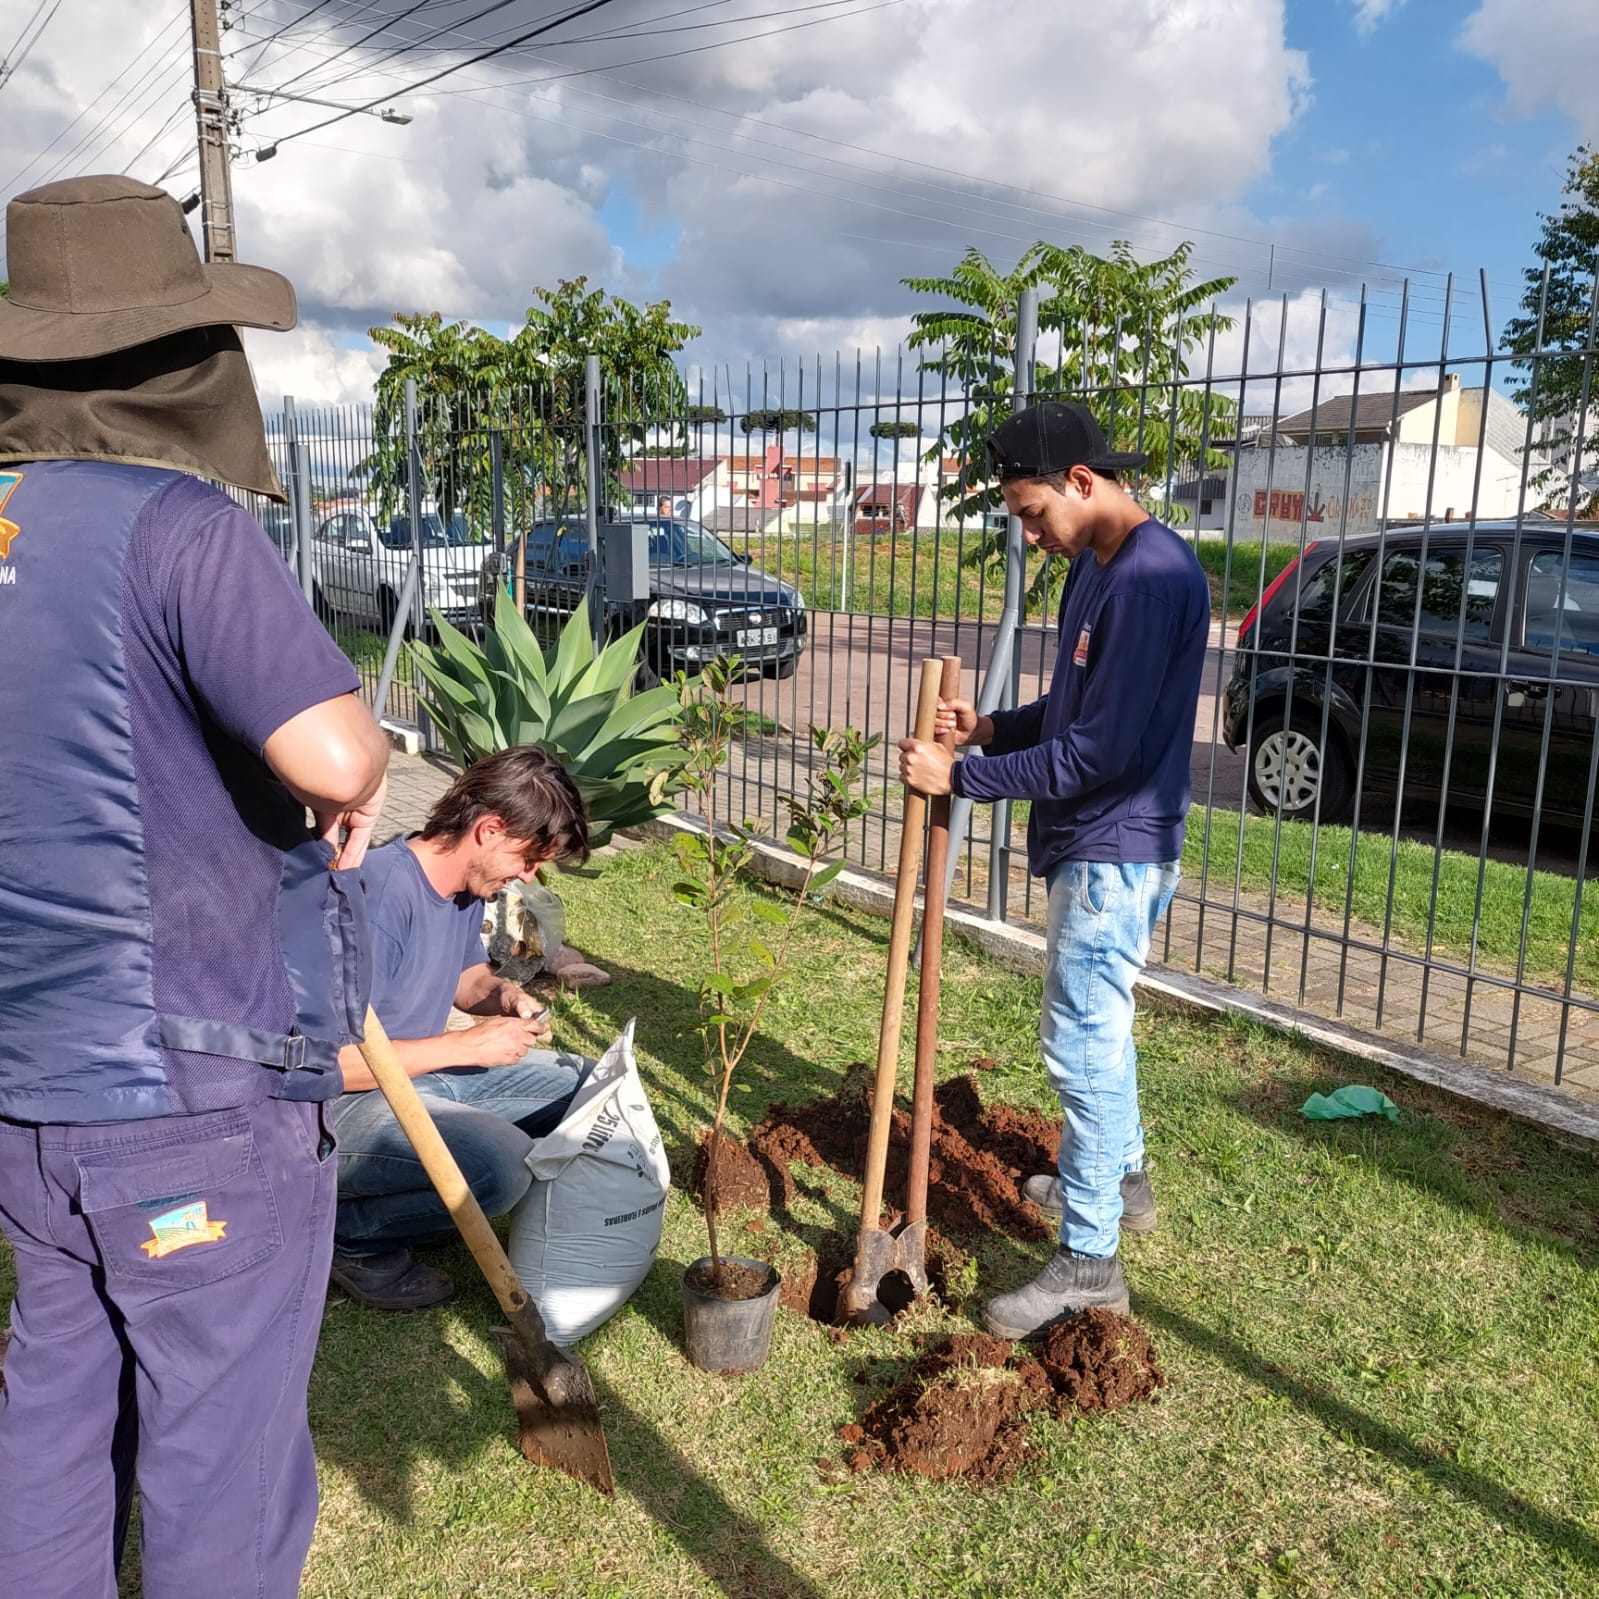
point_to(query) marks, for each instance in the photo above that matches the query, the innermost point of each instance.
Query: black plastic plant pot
(724, 1335)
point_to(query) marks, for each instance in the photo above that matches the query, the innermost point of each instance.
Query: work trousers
(171, 1275)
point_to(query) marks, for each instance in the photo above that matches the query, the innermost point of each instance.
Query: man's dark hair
(530, 791)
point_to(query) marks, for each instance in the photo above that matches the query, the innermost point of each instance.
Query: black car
(705, 601)
(1381, 654)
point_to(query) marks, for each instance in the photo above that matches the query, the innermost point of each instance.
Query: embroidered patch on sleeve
(180, 1228)
(1080, 654)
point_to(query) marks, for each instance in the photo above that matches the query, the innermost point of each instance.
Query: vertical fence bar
(299, 497)
(1006, 670)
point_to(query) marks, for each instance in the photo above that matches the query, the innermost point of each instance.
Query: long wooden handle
(899, 959)
(440, 1165)
(932, 957)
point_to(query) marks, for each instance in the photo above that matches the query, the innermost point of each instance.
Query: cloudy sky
(776, 169)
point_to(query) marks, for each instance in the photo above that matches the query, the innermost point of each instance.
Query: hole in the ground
(895, 1292)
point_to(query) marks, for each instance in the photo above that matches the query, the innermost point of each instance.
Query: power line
(966, 197)
(12, 59)
(486, 55)
(10, 185)
(272, 38)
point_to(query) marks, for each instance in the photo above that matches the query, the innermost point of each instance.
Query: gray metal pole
(299, 499)
(414, 606)
(1003, 662)
(391, 651)
(594, 477)
(413, 496)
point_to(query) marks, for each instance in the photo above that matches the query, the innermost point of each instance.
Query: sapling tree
(750, 939)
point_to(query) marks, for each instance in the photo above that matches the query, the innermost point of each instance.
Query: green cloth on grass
(1355, 1100)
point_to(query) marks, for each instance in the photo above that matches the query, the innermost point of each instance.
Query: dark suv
(705, 601)
(1356, 635)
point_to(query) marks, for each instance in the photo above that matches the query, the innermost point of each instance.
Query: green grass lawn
(923, 575)
(1379, 1337)
(1243, 584)
(1504, 889)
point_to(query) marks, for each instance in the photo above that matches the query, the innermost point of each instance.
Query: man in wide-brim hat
(178, 964)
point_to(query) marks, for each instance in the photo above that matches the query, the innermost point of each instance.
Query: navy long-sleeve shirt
(1104, 756)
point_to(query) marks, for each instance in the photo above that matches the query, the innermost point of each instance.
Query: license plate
(751, 637)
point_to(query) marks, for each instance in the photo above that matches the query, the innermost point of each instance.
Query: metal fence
(1395, 758)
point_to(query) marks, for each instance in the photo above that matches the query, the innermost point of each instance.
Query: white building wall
(1352, 491)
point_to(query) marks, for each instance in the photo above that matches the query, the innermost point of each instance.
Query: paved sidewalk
(1369, 988)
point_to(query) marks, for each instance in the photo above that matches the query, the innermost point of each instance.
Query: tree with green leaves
(1128, 332)
(703, 415)
(897, 429)
(1557, 319)
(529, 390)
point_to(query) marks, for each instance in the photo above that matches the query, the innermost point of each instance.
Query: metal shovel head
(557, 1417)
(878, 1254)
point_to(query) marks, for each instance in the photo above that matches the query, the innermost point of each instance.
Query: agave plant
(576, 701)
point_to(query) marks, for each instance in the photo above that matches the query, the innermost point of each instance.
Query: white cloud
(778, 243)
(1371, 14)
(1545, 53)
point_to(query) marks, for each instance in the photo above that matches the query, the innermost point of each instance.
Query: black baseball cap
(1053, 436)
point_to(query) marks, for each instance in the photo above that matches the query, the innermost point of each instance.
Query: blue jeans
(487, 1115)
(1101, 921)
(170, 1281)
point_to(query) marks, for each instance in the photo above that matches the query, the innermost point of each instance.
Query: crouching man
(490, 1088)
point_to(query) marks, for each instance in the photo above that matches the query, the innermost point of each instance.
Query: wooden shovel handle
(899, 959)
(932, 957)
(441, 1167)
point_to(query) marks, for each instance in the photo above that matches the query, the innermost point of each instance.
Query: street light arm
(385, 114)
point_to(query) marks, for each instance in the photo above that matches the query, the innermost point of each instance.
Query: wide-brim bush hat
(100, 264)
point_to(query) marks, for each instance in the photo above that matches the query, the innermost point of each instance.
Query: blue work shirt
(422, 941)
(1104, 756)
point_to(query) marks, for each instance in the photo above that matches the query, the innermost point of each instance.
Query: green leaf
(826, 875)
(762, 953)
(752, 990)
(573, 651)
(766, 911)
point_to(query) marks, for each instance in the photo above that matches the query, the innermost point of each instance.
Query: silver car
(359, 564)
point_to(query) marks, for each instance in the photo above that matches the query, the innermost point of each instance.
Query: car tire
(1293, 764)
(786, 668)
(388, 604)
(319, 604)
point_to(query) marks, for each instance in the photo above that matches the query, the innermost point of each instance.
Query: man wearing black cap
(180, 964)
(1104, 759)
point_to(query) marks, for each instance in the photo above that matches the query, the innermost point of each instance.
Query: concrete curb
(1551, 1110)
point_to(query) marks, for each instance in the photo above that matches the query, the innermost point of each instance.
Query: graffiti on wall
(1293, 505)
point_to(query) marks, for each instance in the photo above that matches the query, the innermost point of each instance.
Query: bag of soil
(585, 1235)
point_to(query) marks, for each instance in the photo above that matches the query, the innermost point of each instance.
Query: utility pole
(211, 126)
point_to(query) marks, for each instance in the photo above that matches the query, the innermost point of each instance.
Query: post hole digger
(880, 1254)
(558, 1420)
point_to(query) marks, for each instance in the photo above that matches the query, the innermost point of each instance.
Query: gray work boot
(1068, 1285)
(1138, 1199)
(394, 1280)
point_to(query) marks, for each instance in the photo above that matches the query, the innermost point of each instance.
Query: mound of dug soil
(962, 1411)
(980, 1156)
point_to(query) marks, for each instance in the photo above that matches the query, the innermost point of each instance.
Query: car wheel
(319, 604)
(388, 604)
(786, 668)
(1291, 767)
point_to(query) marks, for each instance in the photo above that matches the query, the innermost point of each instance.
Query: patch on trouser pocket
(188, 1211)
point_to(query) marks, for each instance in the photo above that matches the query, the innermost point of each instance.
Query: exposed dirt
(742, 1181)
(738, 1281)
(962, 1411)
(980, 1156)
(1101, 1361)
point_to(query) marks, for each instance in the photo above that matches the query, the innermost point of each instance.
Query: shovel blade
(557, 1416)
(877, 1254)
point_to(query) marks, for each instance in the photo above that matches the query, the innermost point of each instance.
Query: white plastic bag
(586, 1233)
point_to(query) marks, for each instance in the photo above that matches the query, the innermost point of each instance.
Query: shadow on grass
(434, 1405)
(1555, 1532)
(667, 1014)
(1533, 1187)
